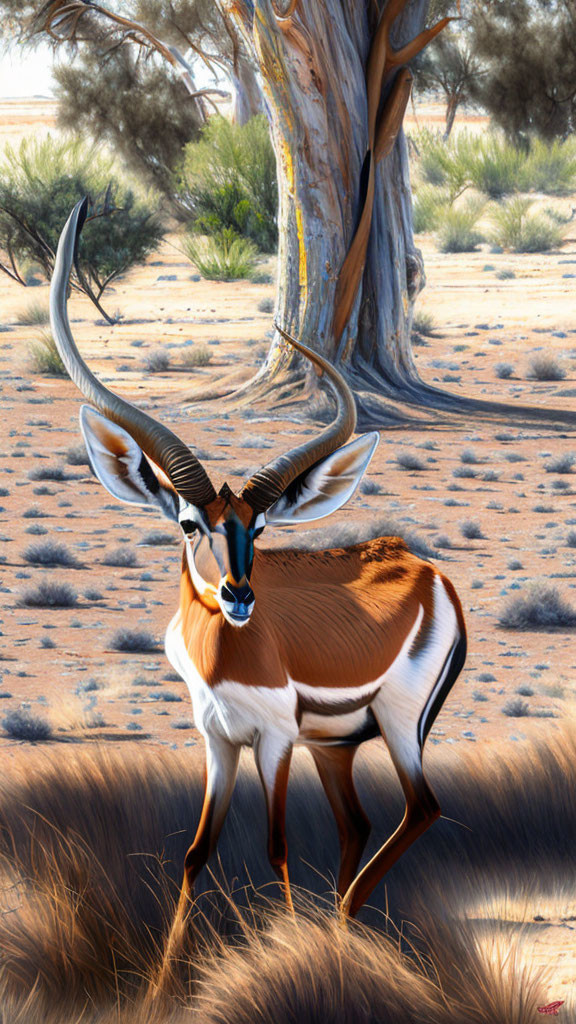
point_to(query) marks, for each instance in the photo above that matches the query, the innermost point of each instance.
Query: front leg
(221, 769)
(273, 753)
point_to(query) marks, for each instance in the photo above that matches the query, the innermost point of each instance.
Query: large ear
(327, 486)
(121, 466)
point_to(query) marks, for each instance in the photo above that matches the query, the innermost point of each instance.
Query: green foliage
(517, 229)
(457, 231)
(495, 167)
(228, 180)
(551, 167)
(224, 257)
(428, 202)
(40, 183)
(448, 163)
(34, 315)
(45, 358)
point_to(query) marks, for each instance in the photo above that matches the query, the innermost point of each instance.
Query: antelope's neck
(220, 652)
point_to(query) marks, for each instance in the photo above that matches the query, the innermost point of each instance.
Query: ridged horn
(165, 449)
(266, 486)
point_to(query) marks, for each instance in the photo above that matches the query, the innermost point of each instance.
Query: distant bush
(196, 355)
(539, 607)
(550, 167)
(40, 183)
(495, 167)
(49, 594)
(471, 530)
(423, 323)
(49, 553)
(428, 202)
(22, 725)
(134, 641)
(457, 230)
(266, 306)
(369, 486)
(35, 315)
(223, 257)
(77, 456)
(517, 229)
(228, 181)
(516, 708)
(546, 368)
(122, 558)
(561, 464)
(411, 462)
(158, 361)
(157, 538)
(57, 473)
(44, 357)
(504, 370)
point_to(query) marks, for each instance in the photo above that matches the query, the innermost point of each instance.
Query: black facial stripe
(240, 549)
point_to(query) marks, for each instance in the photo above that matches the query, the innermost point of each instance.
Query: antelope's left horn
(266, 486)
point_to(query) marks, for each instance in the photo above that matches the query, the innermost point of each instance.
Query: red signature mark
(551, 1008)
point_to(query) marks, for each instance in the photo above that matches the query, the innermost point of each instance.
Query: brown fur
(330, 618)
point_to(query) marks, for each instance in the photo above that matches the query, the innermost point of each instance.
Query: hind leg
(421, 811)
(335, 766)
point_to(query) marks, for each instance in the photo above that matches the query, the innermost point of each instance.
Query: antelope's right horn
(174, 457)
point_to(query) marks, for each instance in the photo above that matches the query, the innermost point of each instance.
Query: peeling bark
(313, 64)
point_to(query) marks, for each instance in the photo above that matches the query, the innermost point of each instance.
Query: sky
(26, 72)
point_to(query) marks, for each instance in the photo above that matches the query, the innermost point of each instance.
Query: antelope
(278, 647)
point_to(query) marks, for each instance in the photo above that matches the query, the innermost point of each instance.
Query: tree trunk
(247, 93)
(313, 64)
(451, 108)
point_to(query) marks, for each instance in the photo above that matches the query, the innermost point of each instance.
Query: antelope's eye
(189, 526)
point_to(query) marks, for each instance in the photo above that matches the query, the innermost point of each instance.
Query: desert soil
(60, 663)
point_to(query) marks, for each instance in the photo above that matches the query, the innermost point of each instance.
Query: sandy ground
(59, 663)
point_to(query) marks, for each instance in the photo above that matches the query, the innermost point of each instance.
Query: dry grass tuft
(91, 848)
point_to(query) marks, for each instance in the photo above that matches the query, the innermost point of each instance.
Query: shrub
(40, 182)
(516, 229)
(369, 486)
(447, 163)
(182, 723)
(77, 456)
(122, 558)
(228, 181)
(49, 595)
(49, 553)
(34, 315)
(56, 473)
(550, 167)
(44, 357)
(503, 370)
(546, 368)
(134, 641)
(516, 708)
(22, 725)
(223, 257)
(423, 323)
(157, 538)
(411, 462)
(539, 607)
(428, 202)
(266, 306)
(571, 539)
(457, 227)
(561, 464)
(471, 530)
(197, 355)
(158, 361)
(495, 167)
